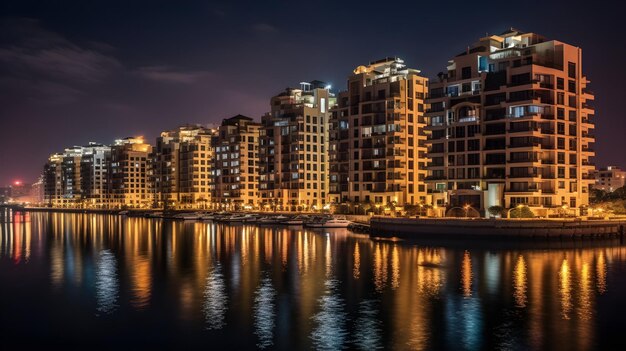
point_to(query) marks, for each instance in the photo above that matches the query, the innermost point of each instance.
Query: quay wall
(486, 228)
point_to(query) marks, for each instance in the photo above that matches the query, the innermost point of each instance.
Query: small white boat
(237, 218)
(207, 217)
(297, 220)
(273, 219)
(187, 216)
(336, 222)
(123, 213)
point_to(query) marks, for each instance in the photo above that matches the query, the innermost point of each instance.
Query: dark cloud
(46, 66)
(171, 75)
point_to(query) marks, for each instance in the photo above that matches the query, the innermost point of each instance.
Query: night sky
(74, 72)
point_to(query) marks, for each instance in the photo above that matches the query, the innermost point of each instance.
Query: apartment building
(293, 148)
(377, 139)
(510, 123)
(94, 168)
(182, 167)
(53, 175)
(130, 174)
(609, 178)
(235, 164)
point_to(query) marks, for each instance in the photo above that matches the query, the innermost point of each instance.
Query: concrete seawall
(486, 228)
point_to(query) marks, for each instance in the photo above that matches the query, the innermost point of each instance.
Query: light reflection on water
(251, 287)
(107, 286)
(264, 313)
(330, 332)
(216, 300)
(368, 331)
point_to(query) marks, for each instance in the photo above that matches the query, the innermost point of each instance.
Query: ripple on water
(368, 327)
(107, 286)
(264, 313)
(330, 332)
(215, 299)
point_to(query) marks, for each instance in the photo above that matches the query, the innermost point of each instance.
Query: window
(460, 146)
(473, 145)
(473, 159)
(571, 86)
(571, 69)
(466, 72)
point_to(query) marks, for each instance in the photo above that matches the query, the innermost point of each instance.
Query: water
(104, 281)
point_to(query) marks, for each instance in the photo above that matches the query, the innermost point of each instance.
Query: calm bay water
(101, 280)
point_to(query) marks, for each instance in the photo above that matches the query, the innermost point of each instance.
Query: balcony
(395, 152)
(494, 176)
(435, 109)
(495, 147)
(522, 130)
(524, 175)
(437, 95)
(525, 189)
(435, 178)
(520, 145)
(524, 160)
(379, 188)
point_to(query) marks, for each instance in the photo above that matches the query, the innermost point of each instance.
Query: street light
(565, 212)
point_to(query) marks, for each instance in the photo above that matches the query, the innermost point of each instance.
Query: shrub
(496, 211)
(522, 212)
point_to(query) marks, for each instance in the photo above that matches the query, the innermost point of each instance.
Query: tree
(411, 210)
(522, 212)
(496, 211)
(597, 195)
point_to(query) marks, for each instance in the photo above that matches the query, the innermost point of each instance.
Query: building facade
(53, 180)
(37, 192)
(235, 164)
(609, 179)
(94, 168)
(182, 167)
(130, 174)
(293, 149)
(510, 123)
(377, 139)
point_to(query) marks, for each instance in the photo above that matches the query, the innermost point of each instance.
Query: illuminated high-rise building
(94, 171)
(377, 151)
(182, 167)
(130, 174)
(235, 164)
(293, 148)
(510, 123)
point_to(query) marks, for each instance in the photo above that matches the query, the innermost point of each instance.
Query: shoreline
(514, 229)
(433, 229)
